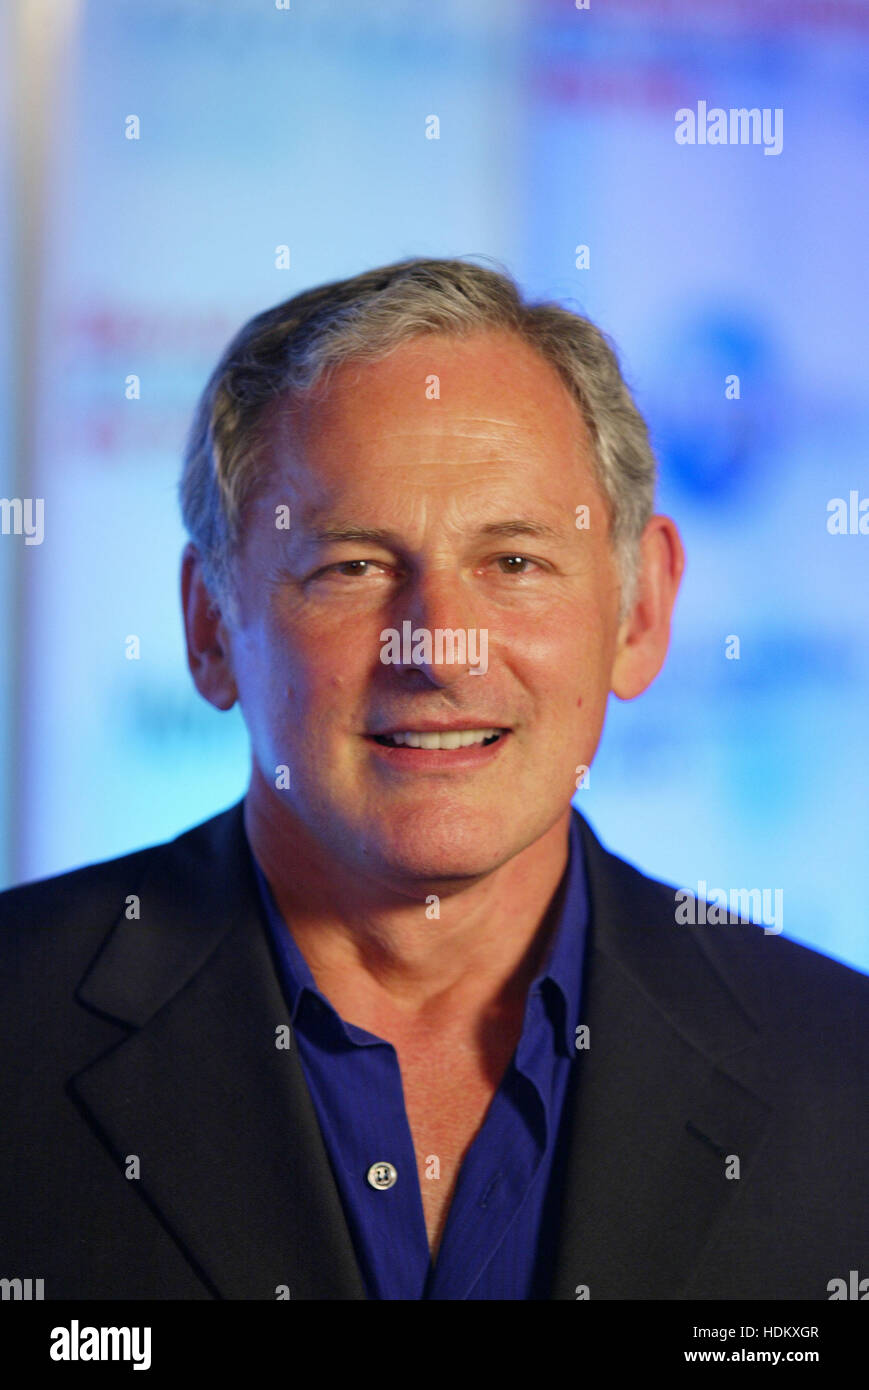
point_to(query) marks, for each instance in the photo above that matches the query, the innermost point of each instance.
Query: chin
(431, 844)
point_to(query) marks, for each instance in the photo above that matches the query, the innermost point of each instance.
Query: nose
(444, 641)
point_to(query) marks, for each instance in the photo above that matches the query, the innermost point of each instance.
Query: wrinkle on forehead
(368, 402)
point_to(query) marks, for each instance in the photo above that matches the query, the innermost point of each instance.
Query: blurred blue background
(305, 126)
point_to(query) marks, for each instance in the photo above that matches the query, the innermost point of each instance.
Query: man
(397, 1026)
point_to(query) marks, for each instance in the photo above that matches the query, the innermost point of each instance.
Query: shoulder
(772, 976)
(75, 892)
(76, 907)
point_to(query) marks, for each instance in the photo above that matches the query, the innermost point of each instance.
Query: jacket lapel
(662, 1097)
(230, 1151)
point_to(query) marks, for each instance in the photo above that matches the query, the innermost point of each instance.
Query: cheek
(268, 673)
(573, 675)
(319, 686)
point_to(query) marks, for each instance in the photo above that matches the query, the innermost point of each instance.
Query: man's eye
(512, 560)
(362, 569)
(347, 568)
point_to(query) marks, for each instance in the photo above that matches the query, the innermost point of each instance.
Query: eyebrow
(515, 526)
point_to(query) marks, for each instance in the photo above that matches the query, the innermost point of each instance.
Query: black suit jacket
(155, 1038)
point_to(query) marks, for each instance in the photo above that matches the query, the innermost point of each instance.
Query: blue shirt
(499, 1241)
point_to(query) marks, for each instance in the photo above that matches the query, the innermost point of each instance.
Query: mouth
(433, 751)
(440, 740)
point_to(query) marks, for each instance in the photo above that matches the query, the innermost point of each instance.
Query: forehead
(434, 400)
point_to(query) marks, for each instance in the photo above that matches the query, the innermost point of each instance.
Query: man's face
(503, 446)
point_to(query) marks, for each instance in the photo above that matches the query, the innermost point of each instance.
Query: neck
(375, 953)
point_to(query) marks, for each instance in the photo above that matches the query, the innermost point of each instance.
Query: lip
(430, 726)
(404, 759)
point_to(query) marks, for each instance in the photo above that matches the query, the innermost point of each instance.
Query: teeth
(453, 739)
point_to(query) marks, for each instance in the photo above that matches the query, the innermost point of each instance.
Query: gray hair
(295, 346)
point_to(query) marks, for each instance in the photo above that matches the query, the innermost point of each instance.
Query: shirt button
(382, 1176)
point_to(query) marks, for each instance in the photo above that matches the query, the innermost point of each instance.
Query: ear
(209, 654)
(644, 634)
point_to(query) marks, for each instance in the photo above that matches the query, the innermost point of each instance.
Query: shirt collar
(295, 972)
(559, 975)
(561, 971)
